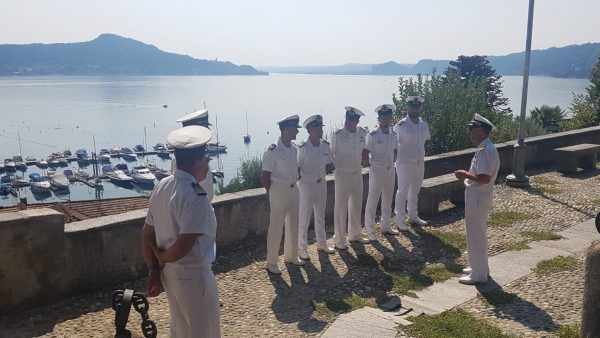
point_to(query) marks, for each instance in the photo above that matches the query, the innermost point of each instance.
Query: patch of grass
(541, 235)
(497, 297)
(331, 307)
(407, 283)
(364, 259)
(453, 323)
(514, 246)
(557, 264)
(568, 331)
(453, 239)
(544, 189)
(540, 180)
(506, 218)
(597, 202)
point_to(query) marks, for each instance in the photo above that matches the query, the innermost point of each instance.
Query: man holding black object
(479, 191)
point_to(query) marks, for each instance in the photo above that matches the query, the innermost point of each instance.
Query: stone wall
(43, 259)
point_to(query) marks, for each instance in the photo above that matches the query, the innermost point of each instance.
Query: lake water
(54, 113)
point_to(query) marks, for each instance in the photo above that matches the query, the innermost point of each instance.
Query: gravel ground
(259, 305)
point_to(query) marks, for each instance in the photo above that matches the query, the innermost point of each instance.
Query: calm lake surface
(55, 113)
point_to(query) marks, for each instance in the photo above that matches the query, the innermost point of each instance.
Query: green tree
(586, 107)
(248, 177)
(548, 117)
(477, 68)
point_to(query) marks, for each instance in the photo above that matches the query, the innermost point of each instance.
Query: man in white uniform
(347, 144)
(479, 192)
(382, 145)
(279, 176)
(198, 118)
(412, 132)
(314, 156)
(179, 236)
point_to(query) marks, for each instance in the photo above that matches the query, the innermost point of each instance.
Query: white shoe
(372, 238)
(403, 227)
(295, 261)
(391, 231)
(274, 269)
(303, 254)
(341, 247)
(418, 221)
(467, 280)
(360, 240)
(325, 249)
(467, 270)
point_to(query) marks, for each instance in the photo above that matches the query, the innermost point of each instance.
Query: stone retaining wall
(42, 259)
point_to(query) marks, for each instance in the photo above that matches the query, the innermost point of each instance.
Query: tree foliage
(477, 68)
(586, 107)
(548, 117)
(248, 177)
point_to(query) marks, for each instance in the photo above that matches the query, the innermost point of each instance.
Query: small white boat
(216, 148)
(38, 183)
(119, 176)
(42, 163)
(59, 181)
(162, 173)
(105, 158)
(9, 164)
(142, 175)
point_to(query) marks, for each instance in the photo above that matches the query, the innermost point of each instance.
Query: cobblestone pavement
(259, 305)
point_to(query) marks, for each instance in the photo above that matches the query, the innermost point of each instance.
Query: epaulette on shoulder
(198, 189)
(271, 147)
(481, 147)
(325, 141)
(337, 131)
(393, 131)
(301, 144)
(401, 122)
(373, 132)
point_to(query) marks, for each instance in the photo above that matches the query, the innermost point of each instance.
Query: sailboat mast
(246, 121)
(217, 128)
(145, 142)
(19, 137)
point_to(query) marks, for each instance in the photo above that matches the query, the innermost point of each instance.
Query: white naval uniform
(282, 163)
(312, 162)
(206, 183)
(347, 154)
(178, 205)
(410, 168)
(381, 149)
(478, 203)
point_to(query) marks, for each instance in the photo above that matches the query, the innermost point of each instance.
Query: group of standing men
(178, 237)
(294, 177)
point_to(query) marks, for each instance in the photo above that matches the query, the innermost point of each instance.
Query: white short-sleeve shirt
(411, 140)
(485, 161)
(312, 160)
(206, 183)
(381, 147)
(347, 149)
(282, 162)
(179, 205)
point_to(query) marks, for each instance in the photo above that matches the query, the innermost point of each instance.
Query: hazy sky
(308, 32)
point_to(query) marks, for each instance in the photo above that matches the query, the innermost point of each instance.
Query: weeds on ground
(541, 180)
(542, 235)
(497, 297)
(453, 323)
(331, 307)
(513, 246)
(407, 283)
(542, 185)
(568, 331)
(557, 264)
(453, 239)
(507, 218)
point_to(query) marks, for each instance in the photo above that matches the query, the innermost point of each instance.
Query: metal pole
(518, 177)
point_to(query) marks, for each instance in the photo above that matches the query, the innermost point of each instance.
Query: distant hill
(108, 54)
(574, 61)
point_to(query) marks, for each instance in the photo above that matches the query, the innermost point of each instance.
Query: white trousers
(410, 178)
(477, 207)
(193, 299)
(284, 203)
(381, 184)
(348, 206)
(313, 198)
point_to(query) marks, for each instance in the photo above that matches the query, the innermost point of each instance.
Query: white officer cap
(189, 137)
(480, 121)
(290, 121)
(415, 101)
(313, 121)
(385, 109)
(353, 113)
(200, 115)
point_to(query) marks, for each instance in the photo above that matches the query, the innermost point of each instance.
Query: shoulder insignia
(373, 132)
(198, 189)
(401, 122)
(301, 144)
(337, 131)
(324, 141)
(481, 147)
(363, 129)
(271, 147)
(393, 132)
